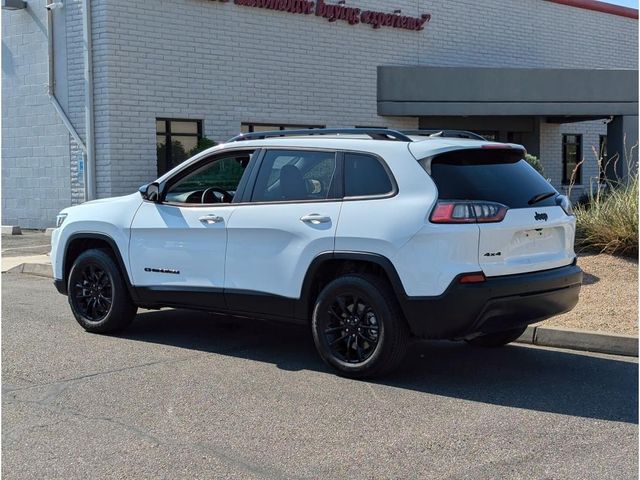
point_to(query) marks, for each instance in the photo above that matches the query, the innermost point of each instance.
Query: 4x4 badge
(541, 216)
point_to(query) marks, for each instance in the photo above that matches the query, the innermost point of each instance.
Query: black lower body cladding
(498, 304)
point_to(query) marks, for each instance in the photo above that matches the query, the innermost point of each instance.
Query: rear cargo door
(535, 233)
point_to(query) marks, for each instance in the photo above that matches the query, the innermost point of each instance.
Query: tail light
(564, 202)
(455, 211)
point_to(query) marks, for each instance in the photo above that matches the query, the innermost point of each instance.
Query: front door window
(214, 182)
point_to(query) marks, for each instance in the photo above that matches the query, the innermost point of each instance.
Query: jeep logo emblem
(541, 216)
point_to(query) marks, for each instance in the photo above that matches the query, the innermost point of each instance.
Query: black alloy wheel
(93, 292)
(98, 293)
(351, 329)
(358, 327)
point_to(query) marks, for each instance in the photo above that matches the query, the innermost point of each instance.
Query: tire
(98, 295)
(498, 339)
(370, 343)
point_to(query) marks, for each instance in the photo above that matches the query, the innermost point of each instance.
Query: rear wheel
(497, 339)
(98, 295)
(358, 327)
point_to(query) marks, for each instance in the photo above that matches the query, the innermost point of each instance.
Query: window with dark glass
(266, 127)
(571, 158)
(175, 140)
(364, 175)
(289, 175)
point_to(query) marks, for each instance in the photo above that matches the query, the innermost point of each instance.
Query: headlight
(565, 203)
(60, 219)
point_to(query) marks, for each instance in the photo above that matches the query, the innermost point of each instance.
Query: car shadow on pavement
(514, 376)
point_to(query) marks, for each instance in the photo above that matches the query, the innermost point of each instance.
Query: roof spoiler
(445, 134)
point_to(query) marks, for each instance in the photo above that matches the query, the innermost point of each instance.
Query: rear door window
(295, 175)
(501, 176)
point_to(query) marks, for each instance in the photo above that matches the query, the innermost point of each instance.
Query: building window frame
(566, 143)
(165, 164)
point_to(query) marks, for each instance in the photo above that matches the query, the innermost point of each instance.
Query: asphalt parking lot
(31, 242)
(195, 395)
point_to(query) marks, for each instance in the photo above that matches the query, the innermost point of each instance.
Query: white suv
(371, 237)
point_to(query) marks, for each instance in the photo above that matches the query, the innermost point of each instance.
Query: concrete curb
(611, 343)
(10, 230)
(39, 269)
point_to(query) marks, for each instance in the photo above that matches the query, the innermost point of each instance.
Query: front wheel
(98, 294)
(497, 339)
(358, 327)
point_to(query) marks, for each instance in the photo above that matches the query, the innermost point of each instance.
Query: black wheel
(358, 327)
(98, 295)
(497, 339)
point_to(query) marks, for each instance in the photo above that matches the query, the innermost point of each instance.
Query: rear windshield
(493, 175)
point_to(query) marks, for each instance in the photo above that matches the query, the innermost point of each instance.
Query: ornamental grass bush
(608, 221)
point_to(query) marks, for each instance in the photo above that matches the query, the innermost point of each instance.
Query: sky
(624, 3)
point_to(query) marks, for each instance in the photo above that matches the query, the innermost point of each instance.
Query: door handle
(315, 219)
(211, 219)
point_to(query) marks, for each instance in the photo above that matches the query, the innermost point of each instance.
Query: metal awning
(450, 91)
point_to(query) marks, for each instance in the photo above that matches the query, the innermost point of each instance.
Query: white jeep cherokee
(370, 236)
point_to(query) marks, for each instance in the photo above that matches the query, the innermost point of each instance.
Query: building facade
(160, 75)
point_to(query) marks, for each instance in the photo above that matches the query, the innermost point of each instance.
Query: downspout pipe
(90, 186)
(51, 6)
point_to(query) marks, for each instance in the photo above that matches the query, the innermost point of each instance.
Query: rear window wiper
(541, 196)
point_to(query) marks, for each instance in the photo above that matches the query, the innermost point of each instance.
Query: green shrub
(178, 153)
(535, 163)
(203, 144)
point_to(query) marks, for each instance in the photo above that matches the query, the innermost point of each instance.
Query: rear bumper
(499, 303)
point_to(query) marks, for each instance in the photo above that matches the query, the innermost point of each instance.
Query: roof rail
(445, 134)
(374, 133)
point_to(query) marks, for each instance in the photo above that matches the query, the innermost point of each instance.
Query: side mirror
(150, 192)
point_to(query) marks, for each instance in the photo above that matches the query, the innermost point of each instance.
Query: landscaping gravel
(608, 299)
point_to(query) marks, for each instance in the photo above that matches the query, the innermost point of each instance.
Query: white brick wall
(35, 145)
(227, 64)
(527, 33)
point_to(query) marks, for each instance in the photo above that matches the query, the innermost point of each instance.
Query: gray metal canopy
(449, 91)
